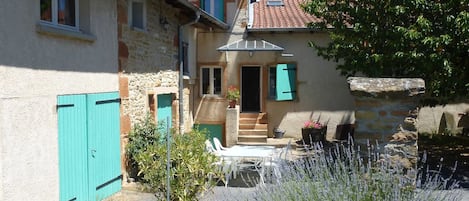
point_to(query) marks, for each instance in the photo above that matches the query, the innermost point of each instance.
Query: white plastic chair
(278, 159)
(226, 166)
(218, 145)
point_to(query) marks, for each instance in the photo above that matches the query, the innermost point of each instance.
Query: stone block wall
(383, 104)
(386, 112)
(148, 62)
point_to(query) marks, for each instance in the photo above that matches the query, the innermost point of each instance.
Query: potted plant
(313, 131)
(232, 95)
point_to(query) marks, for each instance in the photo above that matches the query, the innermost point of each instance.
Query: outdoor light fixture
(287, 54)
(164, 22)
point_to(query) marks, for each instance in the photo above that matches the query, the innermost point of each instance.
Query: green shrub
(191, 166)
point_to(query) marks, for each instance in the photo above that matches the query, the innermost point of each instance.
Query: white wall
(34, 69)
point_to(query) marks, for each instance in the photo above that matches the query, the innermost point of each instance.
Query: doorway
(250, 89)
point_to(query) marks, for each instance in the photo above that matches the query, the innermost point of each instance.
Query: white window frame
(55, 19)
(211, 80)
(144, 17)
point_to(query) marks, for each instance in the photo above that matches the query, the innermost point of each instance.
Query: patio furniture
(258, 154)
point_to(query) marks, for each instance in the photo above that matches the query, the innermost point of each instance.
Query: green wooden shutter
(286, 82)
(164, 112)
(104, 144)
(73, 153)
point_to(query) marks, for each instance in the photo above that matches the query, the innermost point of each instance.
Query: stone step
(252, 139)
(253, 115)
(260, 132)
(253, 126)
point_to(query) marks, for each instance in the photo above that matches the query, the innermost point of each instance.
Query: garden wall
(386, 113)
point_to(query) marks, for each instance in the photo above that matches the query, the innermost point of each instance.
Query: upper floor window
(62, 13)
(210, 81)
(137, 14)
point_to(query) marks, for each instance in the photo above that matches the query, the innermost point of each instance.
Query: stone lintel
(386, 87)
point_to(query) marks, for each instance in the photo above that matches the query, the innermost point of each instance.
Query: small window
(61, 13)
(275, 3)
(210, 82)
(137, 14)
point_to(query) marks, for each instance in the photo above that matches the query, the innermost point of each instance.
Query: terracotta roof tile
(290, 15)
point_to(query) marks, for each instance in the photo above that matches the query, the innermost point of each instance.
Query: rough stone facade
(148, 61)
(386, 112)
(383, 104)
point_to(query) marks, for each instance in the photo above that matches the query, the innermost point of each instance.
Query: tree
(396, 38)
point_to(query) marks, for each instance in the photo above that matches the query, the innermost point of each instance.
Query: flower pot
(279, 134)
(232, 104)
(313, 135)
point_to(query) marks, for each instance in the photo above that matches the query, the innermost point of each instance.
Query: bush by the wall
(192, 167)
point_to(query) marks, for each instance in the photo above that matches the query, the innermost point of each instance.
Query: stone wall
(148, 61)
(386, 113)
(383, 104)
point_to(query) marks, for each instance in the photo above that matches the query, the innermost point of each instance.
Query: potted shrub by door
(232, 95)
(313, 131)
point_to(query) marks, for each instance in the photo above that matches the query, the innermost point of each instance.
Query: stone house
(58, 73)
(265, 38)
(157, 59)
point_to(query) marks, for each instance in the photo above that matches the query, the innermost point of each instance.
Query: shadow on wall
(448, 124)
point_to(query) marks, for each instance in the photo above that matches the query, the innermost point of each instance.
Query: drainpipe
(181, 72)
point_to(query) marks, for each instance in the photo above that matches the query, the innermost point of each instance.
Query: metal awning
(250, 45)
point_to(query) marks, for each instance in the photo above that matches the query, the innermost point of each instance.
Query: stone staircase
(253, 128)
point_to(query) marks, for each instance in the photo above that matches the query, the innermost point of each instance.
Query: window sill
(136, 29)
(56, 31)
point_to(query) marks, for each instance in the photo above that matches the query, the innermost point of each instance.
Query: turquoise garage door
(89, 146)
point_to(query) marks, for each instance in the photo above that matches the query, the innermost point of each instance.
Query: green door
(104, 144)
(89, 146)
(73, 153)
(164, 111)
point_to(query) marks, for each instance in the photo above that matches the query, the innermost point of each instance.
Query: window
(275, 3)
(61, 13)
(282, 82)
(210, 82)
(137, 14)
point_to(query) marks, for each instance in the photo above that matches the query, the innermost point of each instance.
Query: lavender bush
(342, 173)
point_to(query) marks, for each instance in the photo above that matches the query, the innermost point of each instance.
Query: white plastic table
(258, 153)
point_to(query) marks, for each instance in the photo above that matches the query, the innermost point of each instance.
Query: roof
(288, 17)
(205, 18)
(250, 45)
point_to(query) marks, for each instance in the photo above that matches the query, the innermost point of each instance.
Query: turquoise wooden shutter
(89, 146)
(73, 153)
(164, 112)
(286, 82)
(104, 144)
(220, 9)
(215, 7)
